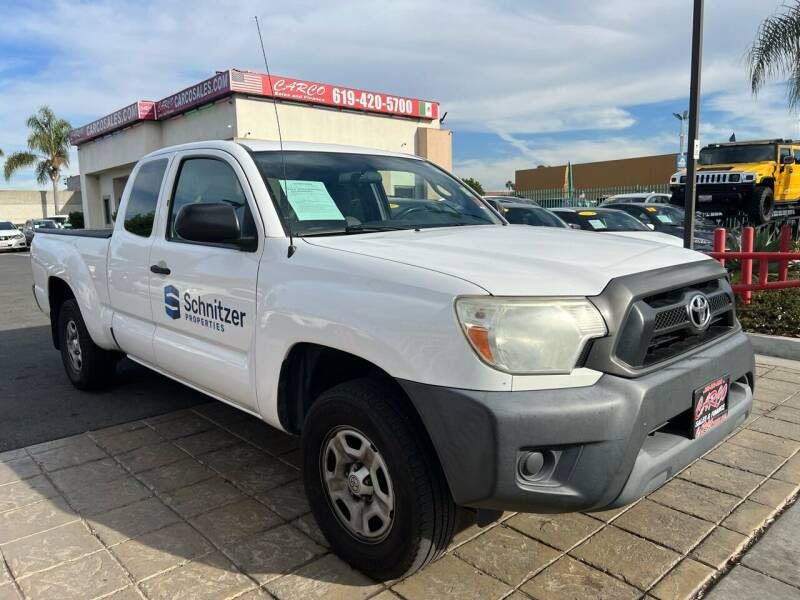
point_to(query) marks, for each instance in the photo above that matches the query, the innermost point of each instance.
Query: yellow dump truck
(751, 177)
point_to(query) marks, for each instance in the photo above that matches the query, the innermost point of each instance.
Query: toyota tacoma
(431, 357)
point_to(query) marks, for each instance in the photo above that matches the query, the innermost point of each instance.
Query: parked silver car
(33, 225)
(644, 197)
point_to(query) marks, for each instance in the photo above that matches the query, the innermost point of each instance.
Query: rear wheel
(762, 203)
(87, 365)
(375, 487)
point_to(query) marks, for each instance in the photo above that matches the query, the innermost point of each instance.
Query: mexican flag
(568, 187)
(426, 109)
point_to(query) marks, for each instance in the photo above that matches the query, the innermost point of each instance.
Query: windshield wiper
(371, 228)
(353, 229)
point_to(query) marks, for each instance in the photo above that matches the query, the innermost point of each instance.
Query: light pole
(682, 118)
(693, 147)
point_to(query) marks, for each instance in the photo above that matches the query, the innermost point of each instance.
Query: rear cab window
(141, 208)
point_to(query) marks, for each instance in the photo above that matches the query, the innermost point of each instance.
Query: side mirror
(210, 222)
(787, 160)
(574, 226)
(651, 226)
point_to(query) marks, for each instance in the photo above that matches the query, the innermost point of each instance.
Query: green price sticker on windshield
(311, 200)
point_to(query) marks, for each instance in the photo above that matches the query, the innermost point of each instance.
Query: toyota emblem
(699, 311)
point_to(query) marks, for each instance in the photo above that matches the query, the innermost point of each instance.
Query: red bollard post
(784, 245)
(719, 242)
(748, 234)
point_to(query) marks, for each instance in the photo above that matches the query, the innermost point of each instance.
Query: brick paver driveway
(207, 503)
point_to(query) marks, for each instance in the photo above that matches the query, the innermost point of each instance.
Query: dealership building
(236, 104)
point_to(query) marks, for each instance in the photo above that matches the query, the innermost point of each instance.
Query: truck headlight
(529, 335)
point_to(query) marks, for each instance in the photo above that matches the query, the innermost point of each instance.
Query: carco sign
(138, 111)
(326, 94)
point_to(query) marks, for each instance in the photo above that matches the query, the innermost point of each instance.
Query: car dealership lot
(152, 490)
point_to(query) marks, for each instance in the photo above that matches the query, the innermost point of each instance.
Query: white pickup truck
(431, 357)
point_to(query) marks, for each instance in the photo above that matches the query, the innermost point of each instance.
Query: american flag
(246, 82)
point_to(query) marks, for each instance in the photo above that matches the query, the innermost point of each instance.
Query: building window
(107, 210)
(404, 191)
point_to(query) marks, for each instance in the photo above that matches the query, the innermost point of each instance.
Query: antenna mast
(292, 247)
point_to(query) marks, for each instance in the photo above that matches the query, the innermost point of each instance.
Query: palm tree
(510, 186)
(775, 53)
(48, 150)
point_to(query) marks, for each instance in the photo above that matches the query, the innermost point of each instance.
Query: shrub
(773, 312)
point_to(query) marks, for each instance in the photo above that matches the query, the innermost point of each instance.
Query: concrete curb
(776, 345)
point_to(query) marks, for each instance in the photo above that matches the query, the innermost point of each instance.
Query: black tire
(95, 368)
(762, 203)
(424, 514)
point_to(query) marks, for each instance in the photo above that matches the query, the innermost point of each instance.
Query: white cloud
(510, 66)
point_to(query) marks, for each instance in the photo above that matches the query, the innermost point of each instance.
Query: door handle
(158, 269)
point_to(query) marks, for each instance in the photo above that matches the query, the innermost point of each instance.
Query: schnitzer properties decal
(211, 313)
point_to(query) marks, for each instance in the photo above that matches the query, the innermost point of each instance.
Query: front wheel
(374, 484)
(87, 365)
(762, 203)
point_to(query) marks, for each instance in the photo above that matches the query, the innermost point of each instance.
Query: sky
(524, 82)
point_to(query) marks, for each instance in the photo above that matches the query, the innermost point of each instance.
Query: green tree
(775, 53)
(48, 150)
(474, 184)
(510, 186)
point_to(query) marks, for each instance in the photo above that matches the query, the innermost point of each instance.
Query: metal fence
(553, 198)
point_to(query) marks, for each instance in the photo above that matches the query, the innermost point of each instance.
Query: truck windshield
(720, 155)
(330, 193)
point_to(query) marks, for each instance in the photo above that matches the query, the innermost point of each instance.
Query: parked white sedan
(11, 238)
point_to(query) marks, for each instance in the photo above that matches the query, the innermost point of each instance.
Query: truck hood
(652, 236)
(517, 260)
(762, 168)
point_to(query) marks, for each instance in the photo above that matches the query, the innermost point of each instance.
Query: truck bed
(93, 233)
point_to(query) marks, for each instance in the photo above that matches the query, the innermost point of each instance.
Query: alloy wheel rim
(74, 346)
(358, 484)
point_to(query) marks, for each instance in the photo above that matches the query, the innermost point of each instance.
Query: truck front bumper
(603, 446)
(717, 195)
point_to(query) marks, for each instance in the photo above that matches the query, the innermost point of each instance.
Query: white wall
(255, 119)
(18, 206)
